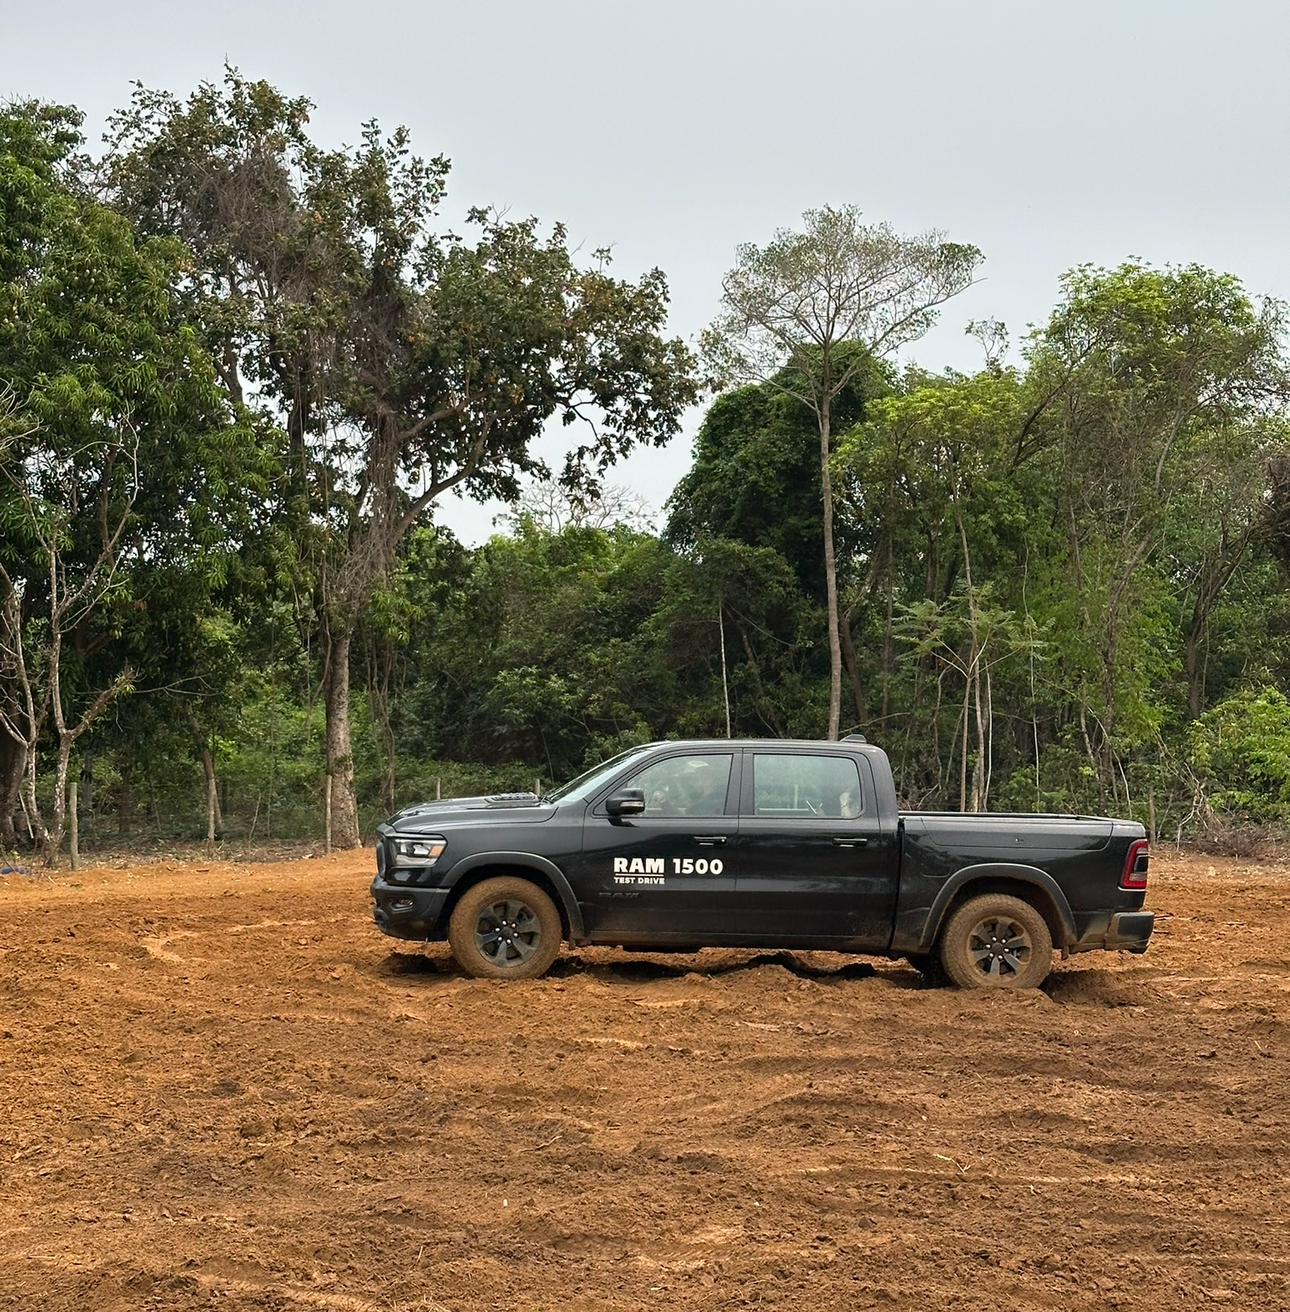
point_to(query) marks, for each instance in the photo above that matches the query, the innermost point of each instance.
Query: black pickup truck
(681, 845)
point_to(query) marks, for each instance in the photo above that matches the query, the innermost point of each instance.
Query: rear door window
(801, 787)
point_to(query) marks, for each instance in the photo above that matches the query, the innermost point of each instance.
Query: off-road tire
(997, 941)
(505, 929)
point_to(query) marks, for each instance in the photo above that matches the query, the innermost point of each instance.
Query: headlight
(424, 851)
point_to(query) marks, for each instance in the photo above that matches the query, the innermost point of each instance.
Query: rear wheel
(505, 929)
(997, 941)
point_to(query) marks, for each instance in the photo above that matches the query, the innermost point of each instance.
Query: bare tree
(51, 488)
(552, 506)
(795, 311)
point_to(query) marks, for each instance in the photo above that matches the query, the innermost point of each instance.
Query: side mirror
(631, 801)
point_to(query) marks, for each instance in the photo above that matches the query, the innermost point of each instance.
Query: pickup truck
(677, 846)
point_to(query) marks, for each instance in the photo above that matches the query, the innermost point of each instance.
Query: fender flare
(996, 870)
(577, 931)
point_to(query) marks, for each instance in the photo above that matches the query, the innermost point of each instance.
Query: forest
(239, 371)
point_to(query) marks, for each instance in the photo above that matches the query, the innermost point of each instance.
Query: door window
(685, 785)
(801, 787)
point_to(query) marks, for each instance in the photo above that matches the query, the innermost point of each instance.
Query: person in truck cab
(705, 790)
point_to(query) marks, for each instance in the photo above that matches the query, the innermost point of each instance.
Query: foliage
(236, 370)
(1240, 753)
(120, 459)
(809, 314)
(403, 361)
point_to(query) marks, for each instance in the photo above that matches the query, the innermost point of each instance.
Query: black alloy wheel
(505, 928)
(508, 933)
(997, 941)
(1000, 947)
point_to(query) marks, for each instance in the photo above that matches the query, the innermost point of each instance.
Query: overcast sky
(1047, 132)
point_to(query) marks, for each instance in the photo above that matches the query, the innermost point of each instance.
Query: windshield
(587, 783)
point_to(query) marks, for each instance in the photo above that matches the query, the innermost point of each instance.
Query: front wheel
(505, 929)
(997, 941)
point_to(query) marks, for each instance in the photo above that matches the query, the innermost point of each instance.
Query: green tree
(119, 451)
(1150, 381)
(794, 312)
(405, 362)
(1240, 757)
(756, 474)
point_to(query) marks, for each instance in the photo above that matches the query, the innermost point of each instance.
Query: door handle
(710, 840)
(857, 840)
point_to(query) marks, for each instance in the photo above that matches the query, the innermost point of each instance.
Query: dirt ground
(223, 1088)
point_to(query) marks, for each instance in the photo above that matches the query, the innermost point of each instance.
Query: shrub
(1240, 754)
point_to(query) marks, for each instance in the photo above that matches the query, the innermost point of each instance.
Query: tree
(117, 449)
(553, 506)
(756, 474)
(794, 313)
(404, 362)
(969, 635)
(932, 479)
(1152, 383)
(1221, 507)
(1239, 756)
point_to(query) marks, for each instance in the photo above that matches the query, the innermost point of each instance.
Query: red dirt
(224, 1088)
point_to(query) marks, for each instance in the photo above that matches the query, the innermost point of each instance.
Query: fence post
(72, 799)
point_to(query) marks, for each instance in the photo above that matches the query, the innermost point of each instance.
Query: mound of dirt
(1099, 987)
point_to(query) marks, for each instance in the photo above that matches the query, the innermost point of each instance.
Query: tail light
(1135, 865)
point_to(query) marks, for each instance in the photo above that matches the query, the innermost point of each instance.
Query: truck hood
(500, 808)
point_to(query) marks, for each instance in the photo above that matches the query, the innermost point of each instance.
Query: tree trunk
(979, 763)
(125, 799)
(973, 675)
(35, 823)
(1106, 762)
(87, 788)
(380, 666)
(58, 827)
(725, 680)
(1191, 659)
(212, 797)
(853, 668)
(214, 820)
(340, 752)
(1215, 575)
(830, 582)
(888, 664)
(13, 762)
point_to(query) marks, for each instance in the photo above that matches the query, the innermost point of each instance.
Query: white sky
(1047, 132)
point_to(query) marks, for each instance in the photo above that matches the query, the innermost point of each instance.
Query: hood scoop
(512, 799)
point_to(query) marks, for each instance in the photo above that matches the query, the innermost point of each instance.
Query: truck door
(814, 859)
(667, 875)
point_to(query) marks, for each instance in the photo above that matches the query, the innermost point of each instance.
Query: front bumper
(405, 911)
